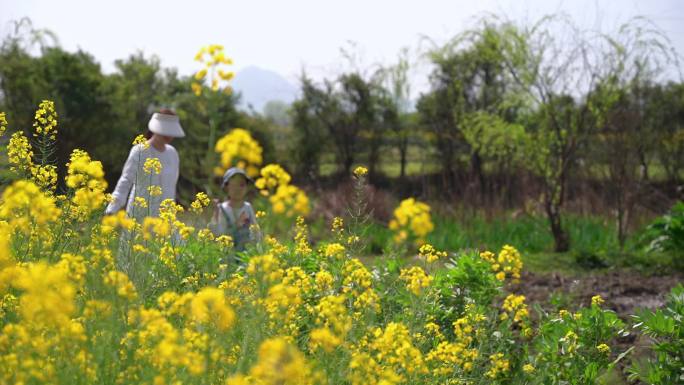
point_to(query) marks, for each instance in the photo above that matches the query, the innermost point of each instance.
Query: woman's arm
(125, 183)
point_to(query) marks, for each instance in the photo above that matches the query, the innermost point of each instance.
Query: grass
(594, 244)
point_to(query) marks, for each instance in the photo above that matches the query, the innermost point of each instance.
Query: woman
(140, 179)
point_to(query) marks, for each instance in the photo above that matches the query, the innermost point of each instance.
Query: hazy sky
(287, 36)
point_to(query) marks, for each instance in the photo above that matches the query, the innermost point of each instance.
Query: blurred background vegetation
(545, 135)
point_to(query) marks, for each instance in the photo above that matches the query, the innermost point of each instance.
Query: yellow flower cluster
(209, 307)
(597, 300)
(603, 348)
(3, 124)
(238, 148)
(141, 140)
(290, 201)
(271, 176)
(120, 282)
(154, 190)
(337, 227)
(213, 57)
(449, 354)
(357, 283)
(279, 362)
(323, 338)
(360, 171)
(364, 369)
(499, 365)
(45, 124)
(26, 208)
(394, 346)
(416, 279)
(201, 201)
(569, 343)
(301, 238)
(515, 304)
(48, 297)
(226, 241)
(266, 267)
(430, 254)
(324, 281)
(118, 220)
(282, 305)
(152, 166)
(19, 153)
(507, 263)
(44, 336)
(45, 176)
(285, 199)
(331, 313)
(86, 178)
(333, 250)
(411, 221)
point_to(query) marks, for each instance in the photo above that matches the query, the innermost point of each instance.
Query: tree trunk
(560, 236)
(403, 149)
(476, 162)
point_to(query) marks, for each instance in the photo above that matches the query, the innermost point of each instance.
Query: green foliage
(468, 277)
(667, 232)
(568, 347)
(665, 328)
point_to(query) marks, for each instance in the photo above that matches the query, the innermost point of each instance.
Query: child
(235, 217)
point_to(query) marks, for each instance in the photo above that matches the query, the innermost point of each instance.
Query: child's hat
(231, 172)
(166, 124)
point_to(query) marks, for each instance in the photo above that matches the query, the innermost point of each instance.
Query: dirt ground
(625, 292)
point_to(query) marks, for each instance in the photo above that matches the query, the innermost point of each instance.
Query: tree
(309, 138)
(396, 105)
(470, 78)
(633, 60)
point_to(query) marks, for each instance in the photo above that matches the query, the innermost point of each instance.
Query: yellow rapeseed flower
(141, 140)
(20, 153)
(3, 124)
(360, 171)
(25, 206)
(45, 123)
(201, 201)
(154, 190)
(271, 176)
(597, 300)
(209, 306)
(238, 148)
(152, 165)
(411, 218)
(120, 282)
(416, 279)
(323, 338)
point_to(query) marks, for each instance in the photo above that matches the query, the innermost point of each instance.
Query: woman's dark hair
(166, 111)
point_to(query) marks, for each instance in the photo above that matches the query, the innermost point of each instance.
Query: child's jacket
(236, 223)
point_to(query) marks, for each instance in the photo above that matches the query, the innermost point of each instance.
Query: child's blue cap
(231, 172)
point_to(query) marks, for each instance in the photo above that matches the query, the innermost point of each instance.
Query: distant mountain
(259, 86)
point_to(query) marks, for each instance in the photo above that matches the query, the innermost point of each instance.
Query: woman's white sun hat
(166, 124)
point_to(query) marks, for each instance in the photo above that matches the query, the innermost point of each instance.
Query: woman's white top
(135, 182)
